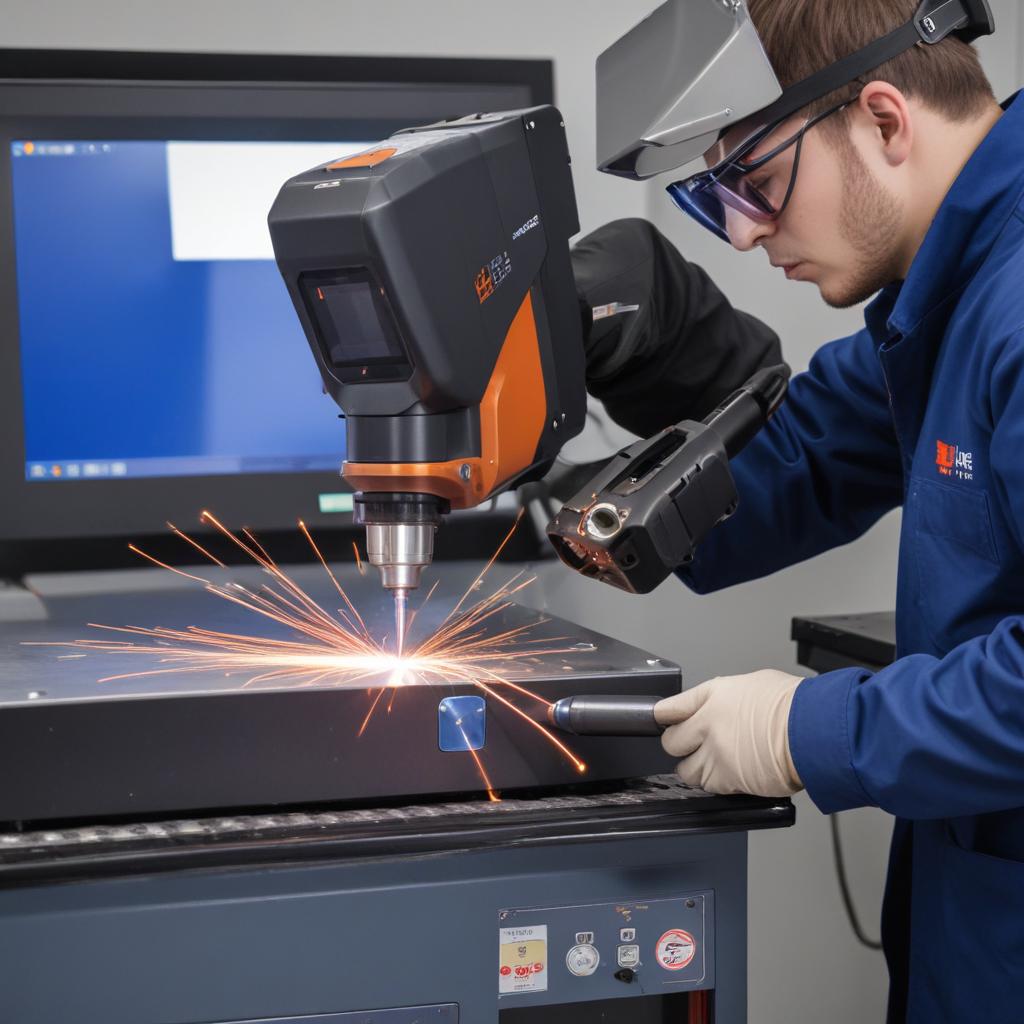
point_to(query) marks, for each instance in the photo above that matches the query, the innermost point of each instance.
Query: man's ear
(886, 115)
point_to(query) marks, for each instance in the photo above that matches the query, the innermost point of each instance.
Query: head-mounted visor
(692, 70)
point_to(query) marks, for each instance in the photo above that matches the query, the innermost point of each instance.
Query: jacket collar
(966, 226)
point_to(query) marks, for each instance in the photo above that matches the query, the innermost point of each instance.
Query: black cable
(844, 887)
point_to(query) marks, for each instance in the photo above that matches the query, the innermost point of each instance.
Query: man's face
(841, 227)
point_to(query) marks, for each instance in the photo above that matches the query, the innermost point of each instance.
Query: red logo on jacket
(952, 460)
(945, 457)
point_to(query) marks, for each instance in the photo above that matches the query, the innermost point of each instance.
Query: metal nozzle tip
(401, 597)
(558, 714)
(401, 551)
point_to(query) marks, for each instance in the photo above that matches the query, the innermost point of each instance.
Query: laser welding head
(694, 69)
(431, 274)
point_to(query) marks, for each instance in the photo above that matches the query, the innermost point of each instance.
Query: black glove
(682, 351)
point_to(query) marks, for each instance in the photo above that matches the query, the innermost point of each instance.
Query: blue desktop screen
(157, 337)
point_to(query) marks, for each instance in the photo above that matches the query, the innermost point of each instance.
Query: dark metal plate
(81, 750)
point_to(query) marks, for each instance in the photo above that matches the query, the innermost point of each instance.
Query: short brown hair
(803, 36)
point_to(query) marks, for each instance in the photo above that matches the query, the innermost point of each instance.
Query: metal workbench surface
(658, 806)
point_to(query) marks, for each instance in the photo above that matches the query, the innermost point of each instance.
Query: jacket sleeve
(682, 351)
(930, 737)
(924, 738)
(823, 470)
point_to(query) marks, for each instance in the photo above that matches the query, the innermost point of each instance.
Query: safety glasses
(759, 189)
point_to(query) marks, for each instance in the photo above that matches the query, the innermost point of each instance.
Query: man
(907, 181)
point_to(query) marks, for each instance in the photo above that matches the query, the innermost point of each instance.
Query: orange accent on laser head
(371, 159)
(513, 411)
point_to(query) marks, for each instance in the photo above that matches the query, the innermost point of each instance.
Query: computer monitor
(151, 364)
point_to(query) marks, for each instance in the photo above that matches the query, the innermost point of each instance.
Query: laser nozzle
(400, 532)
(400, 551)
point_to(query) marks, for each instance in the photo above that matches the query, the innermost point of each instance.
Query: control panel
(600, 951)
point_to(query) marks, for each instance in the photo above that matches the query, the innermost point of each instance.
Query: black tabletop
(829, 642)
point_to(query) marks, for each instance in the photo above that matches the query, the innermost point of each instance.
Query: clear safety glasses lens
(705, 197)
(706, 202)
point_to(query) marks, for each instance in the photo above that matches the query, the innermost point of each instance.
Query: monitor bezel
(85, 524)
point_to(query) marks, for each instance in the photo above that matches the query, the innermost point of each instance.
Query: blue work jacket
(922, 408)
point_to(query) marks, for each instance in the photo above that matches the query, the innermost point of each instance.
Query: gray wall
(804, 964)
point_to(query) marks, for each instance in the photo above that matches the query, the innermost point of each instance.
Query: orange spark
(369, 714)
(491, 795)
(195, 544)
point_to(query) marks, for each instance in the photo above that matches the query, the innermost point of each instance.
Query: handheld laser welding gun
(646, 512)
(431, 274)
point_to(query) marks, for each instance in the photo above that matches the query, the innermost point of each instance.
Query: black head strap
(934, 21)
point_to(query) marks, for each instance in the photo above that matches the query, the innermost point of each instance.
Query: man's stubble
(870, 224)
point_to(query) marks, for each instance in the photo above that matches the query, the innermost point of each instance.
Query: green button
(335, 502)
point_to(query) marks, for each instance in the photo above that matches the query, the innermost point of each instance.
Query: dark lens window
(355, 325)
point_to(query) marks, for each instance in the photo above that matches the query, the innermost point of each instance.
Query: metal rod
(613, 715)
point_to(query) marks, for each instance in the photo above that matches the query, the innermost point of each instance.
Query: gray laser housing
(667, 492)
(418, 227)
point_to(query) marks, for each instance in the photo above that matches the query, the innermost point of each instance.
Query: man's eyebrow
(730, 140)
(780, 134)
(725, 145)
(737, 135)
(733, 138)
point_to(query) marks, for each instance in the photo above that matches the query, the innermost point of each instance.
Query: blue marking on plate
(461, 724)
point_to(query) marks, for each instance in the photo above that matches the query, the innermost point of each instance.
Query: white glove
(733, 734)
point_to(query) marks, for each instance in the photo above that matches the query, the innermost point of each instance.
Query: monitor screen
(157, 338)
(151, 362)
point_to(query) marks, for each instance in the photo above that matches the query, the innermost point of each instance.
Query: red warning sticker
(675, 949)
(522, 963)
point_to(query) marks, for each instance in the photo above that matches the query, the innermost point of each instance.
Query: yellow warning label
(523, 959)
